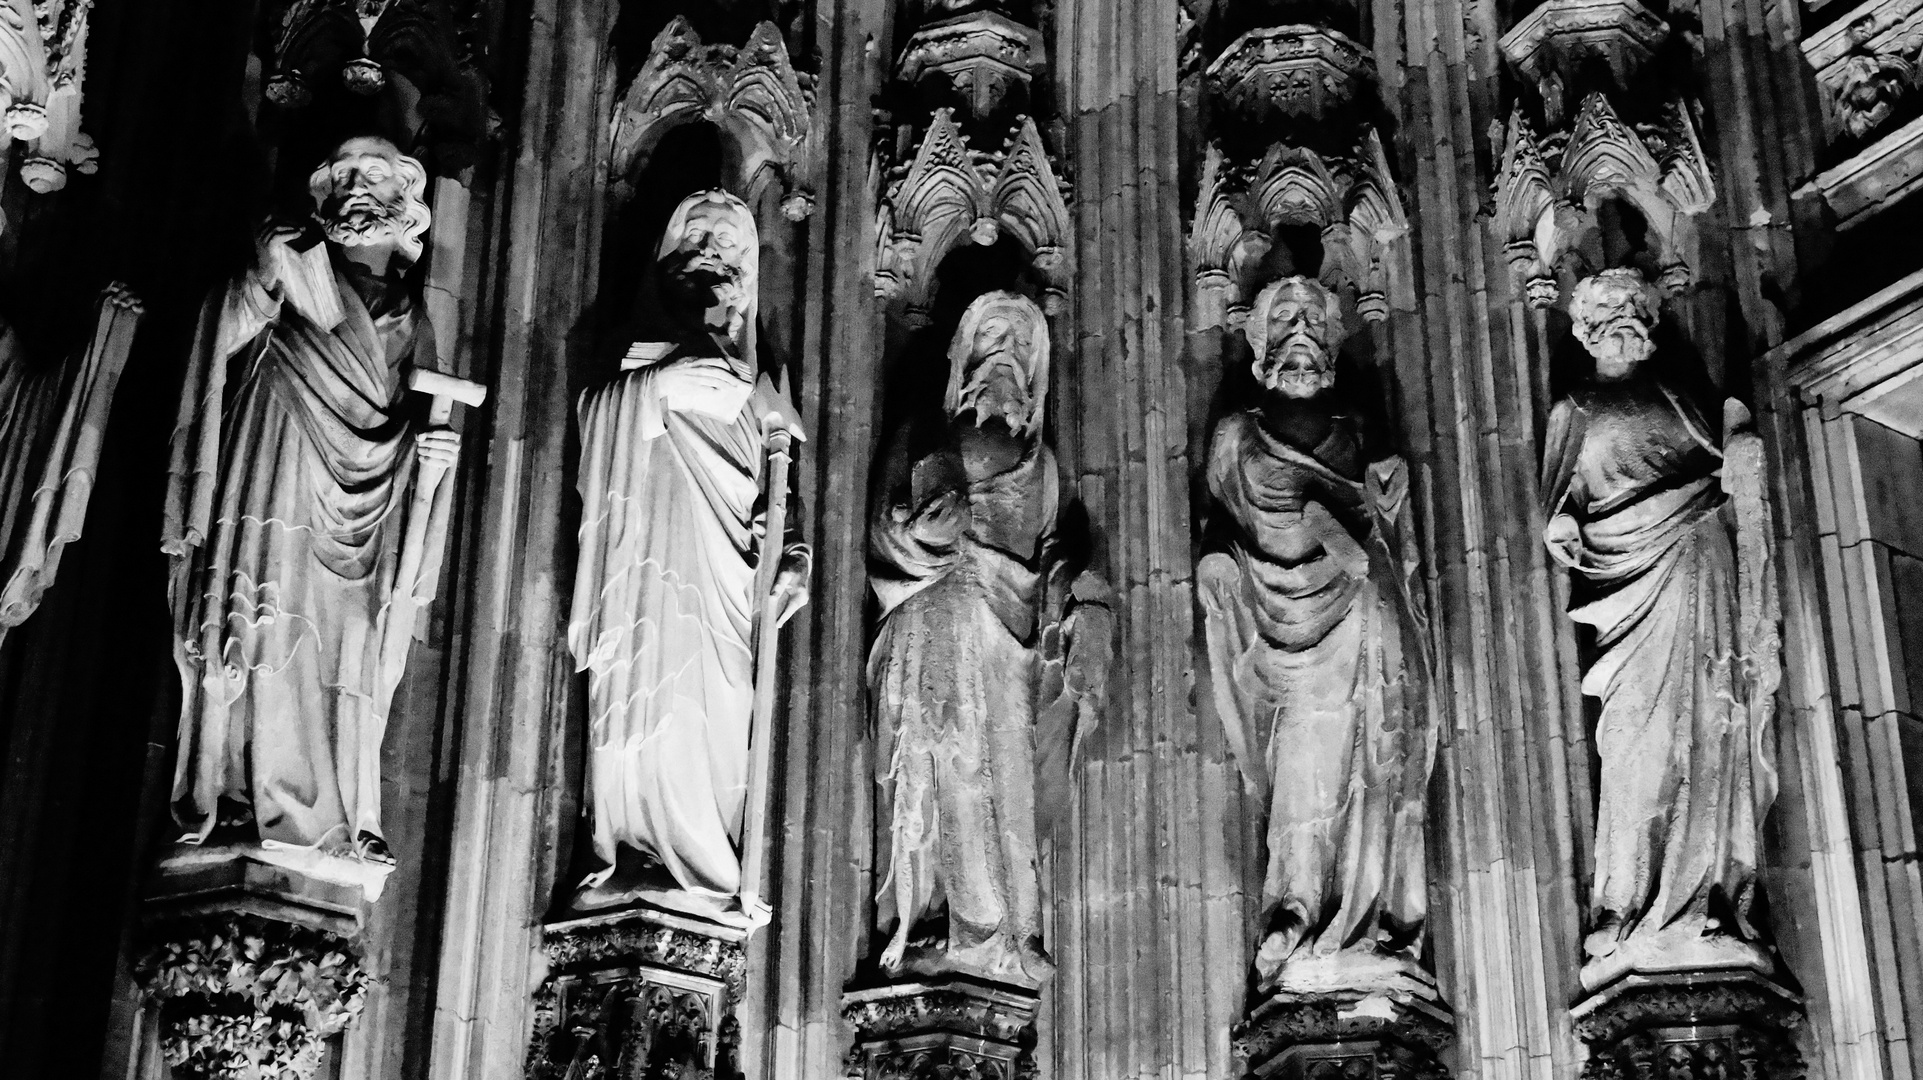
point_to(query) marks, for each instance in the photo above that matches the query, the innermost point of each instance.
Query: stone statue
(1667, 531)
(52, 420)
(674, 456)
(1318, 644)
(973, 588)
(306, 517)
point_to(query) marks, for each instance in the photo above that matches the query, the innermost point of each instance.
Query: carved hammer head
(445, 390)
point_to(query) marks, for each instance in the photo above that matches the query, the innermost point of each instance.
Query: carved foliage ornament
(1550, 188)
(951, 190)
(246, 998)
(43, 62)
(753, 94)
(1353, 202)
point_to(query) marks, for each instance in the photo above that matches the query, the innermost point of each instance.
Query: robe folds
(286, 509)
(663, 620)
(953, 677)
(1318, 643)
(1683, 606)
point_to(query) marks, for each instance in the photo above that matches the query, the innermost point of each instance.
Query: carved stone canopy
(1552, 186)
(361, 45)
(1351, 200)
(1554, 44)
(981, 54)
(1297, 70)
(951, 191)
(752, 94)
(43, 62)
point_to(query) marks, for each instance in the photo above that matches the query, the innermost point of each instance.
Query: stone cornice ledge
(1857, 352)
(1886, 171)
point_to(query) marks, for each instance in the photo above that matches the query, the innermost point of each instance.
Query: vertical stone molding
(958, 1028)
(641, 993)
(1691, 1026)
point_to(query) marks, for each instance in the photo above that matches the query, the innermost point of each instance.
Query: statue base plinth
(1678, 1025)
(248, 960)
(642, 992)
(1390, 1023)
(932, 1028)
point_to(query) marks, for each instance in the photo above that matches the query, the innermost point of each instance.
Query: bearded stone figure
(673, 468)
(973, 591)
(1318, 643)
(1666, 529)
(303, 534)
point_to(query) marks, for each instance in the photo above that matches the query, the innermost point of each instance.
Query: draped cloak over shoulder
(285, 514)
(952, 675)
(1686, 669)
(662, 622)
(1316, 636)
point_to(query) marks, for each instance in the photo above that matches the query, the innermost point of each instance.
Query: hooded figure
(672, 464)
(962, 560)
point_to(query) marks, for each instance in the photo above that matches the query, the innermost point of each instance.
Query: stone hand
(791, 582)
(267, 244)
(941, 520)
(438, 446)
(1564, 539)
(691, 378)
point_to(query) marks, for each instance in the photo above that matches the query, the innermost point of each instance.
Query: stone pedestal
(248, 958)
(639, 993)
(954, 1028)
(1392, 1029)
(1691, 1026)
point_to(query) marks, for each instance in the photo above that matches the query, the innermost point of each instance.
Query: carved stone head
(710, 259)
(1295, 327)
(1871, 84)
(369, 194)
(998, 363)
(1614, 313)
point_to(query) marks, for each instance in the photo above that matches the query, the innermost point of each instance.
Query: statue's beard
(996, 391)
(1295, 367)
(1622, 344)
(708, 286)
(362, 221)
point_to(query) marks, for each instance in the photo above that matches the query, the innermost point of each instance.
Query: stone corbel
(1544, 210)
(43, 62)
(982, 55)
(1866, 65)
(951, 191)
(752, 93)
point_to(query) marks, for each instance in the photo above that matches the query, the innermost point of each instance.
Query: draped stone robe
(952, 676)
(1316, 639)
(286, 510)
(663, 619)
(1683, 604)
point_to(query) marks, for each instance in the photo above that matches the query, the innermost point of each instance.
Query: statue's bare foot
(891, 957)
(372, 848)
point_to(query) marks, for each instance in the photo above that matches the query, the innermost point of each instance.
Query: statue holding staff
(306, 514)
(674, 485)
